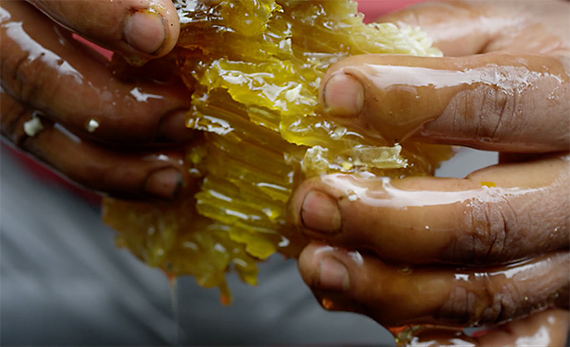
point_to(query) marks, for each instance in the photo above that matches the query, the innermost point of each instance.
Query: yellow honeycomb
(254, 68)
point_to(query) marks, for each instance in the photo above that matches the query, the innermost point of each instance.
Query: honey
(253, 69)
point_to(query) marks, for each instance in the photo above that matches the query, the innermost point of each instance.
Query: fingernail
(145, 31)
(320, 213)
(333, 275)
(343, 96)
(165, 183)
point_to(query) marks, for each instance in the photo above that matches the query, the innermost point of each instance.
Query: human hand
(94, 124)
(483, 250)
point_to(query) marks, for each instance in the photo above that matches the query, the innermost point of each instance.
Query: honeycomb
(253, 68)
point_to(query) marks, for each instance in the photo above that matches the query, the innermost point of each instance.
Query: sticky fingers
(139, 30)
(495, 215)
(497, 101)
(398, 295)
(140, 174)
(43, 67)
(503, 85)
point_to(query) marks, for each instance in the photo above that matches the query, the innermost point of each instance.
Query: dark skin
(448, 251)
(44, 71)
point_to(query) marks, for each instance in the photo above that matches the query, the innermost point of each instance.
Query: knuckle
(486, 114)
(23, 77)
(11, 72)
(481, 303)
(30, 75)
(502, 305)
(486, 234)
(458, 308)
(496, 115)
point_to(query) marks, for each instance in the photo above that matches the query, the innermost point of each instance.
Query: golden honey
(254, 69)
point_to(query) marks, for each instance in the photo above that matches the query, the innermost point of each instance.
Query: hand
(483, 250)
(89, 117)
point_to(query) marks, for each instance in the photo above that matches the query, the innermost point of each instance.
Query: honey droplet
(327, 303)
(225, 300)
(404, 335)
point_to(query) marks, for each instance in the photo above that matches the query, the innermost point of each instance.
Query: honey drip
(173, 284)
(254, 68)
(403, 336)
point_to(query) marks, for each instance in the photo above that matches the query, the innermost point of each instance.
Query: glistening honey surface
(254, 68)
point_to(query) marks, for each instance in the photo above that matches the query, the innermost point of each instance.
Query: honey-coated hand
(487, 250)
(62, 103)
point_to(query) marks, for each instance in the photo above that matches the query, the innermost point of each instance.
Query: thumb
(496, 101)
(546, 328)
(140, 30)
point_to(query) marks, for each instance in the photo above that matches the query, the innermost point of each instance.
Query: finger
(460, 28)
(45, 68)
(138, 29)
(393, 296)
(125, 174)
(495, 215)
(496, 101)
(468, 37)
(547, 328)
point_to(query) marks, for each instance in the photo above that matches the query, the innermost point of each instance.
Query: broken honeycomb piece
(254, 69)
